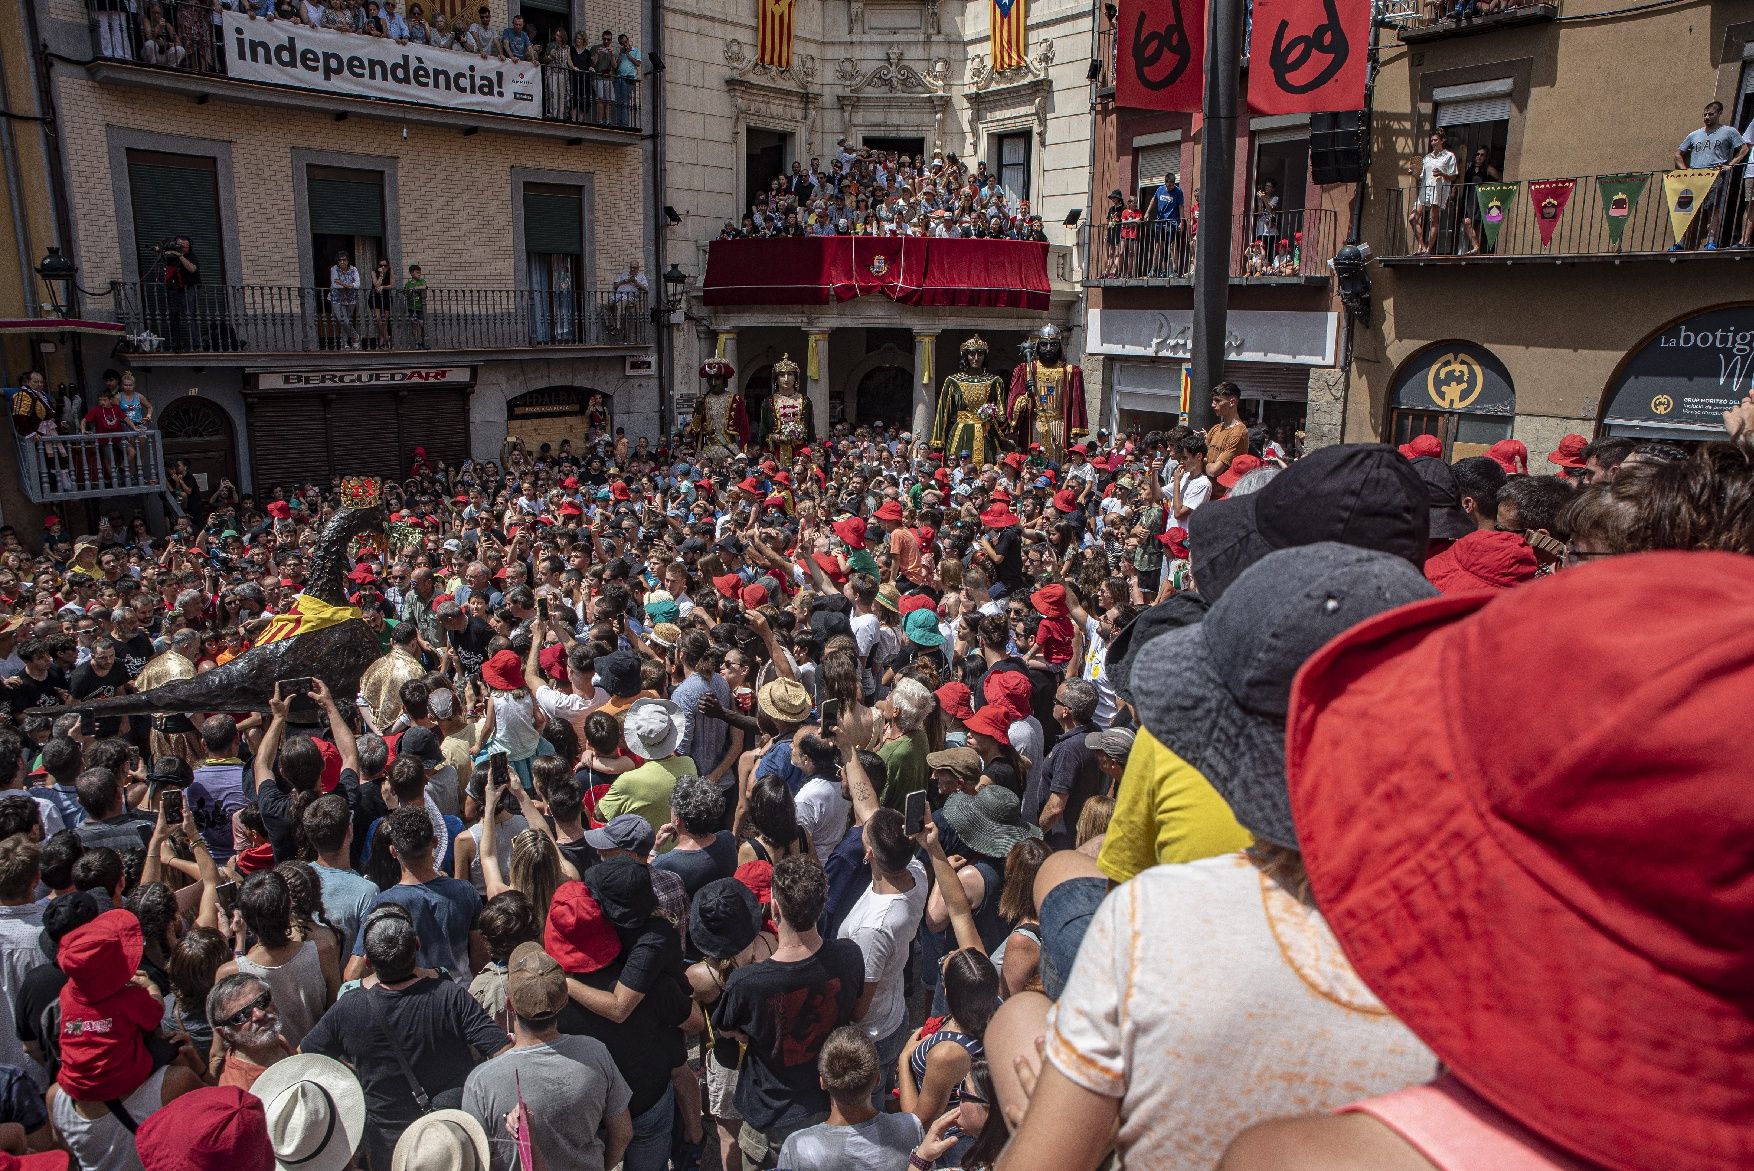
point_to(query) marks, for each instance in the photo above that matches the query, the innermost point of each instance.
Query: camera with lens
(168, 245)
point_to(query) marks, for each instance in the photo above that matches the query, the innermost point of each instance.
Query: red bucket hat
(1050, 601)
(1422, 445)
(1239, 467)
(890, 511)
(729, 585)
(1486, 560)
(1552, 887)
(999, 516)
(1569, 453)
(578, 935)
(956, 700)
(1010, 690)
(915, 602)
(1064, 501)
(990, 721)
(851, 529)
(1510, 454)
(504, 671)
(754, 596)
(552, 660)
(1175, 542)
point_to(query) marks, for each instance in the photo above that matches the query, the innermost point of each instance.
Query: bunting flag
(1619, 198)
(1549, 197)
(1305, 57)
(1494, 199)
(775, 47)
(1687, 190)
(1160, 61)
(1010, 36)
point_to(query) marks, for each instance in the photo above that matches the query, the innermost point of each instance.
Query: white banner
(281, 53)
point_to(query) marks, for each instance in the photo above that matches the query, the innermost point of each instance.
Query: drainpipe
(657, 172)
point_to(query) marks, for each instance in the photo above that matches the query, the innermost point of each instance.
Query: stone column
(816, 376)
(925, 383)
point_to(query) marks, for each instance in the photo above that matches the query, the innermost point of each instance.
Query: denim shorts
(1065, 916)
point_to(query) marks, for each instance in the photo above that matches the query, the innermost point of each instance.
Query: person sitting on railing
(158, 40)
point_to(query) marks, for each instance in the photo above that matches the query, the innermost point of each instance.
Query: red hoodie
(105, 1019)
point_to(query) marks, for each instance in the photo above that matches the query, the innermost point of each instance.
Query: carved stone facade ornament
(801, 74)
(982, 78)
(895, 75)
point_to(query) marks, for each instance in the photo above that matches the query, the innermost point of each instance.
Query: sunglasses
(261, 1004)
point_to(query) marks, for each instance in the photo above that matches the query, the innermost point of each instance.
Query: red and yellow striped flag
(775, 48)
(1010, 37)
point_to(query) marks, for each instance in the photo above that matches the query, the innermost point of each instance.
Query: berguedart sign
(282, 53)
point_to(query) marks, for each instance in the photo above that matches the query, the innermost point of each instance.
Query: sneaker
(1674, 248)
(1710, 246)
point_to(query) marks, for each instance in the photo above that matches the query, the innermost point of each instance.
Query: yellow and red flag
(1010, 37)
(775, 47)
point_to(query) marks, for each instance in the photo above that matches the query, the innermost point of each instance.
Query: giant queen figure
(787, 420)
(971, 406)
(1046, 404)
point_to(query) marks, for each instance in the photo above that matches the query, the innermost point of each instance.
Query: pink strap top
(1457, 1130)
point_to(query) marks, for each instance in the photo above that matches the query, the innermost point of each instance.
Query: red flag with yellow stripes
(1010, 37)
(775, 48)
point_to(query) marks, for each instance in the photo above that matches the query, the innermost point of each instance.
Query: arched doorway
(1456, 390)
(1676, 384)
(886, 395)
(557, 414)
(198, 430)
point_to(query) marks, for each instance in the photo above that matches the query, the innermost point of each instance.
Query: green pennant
(1494, 207)
(1619, 199)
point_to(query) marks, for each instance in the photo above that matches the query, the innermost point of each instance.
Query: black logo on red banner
(1150, 49)
(1325, 46)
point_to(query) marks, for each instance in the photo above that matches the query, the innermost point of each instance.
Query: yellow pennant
(1687, 190)
(307, 614)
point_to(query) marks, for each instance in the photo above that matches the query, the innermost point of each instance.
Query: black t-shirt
(23, 692)
(579, 852)
(647, 1045)
(786, 1010)
(650, 954)
(470, 643)
(1008, 544)
(696, 868)
(88, 684)
(134, 652)
(443, 1033)
(39, 993)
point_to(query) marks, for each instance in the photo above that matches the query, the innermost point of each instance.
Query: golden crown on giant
(785, 366)
(361, 491)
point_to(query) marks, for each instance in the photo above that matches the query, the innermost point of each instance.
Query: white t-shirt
(864, 632)
(565, 705)
(1235, 1007)
(1435, 170)
(1096, 671)
(883, 925)
(1196, 490)
(823, 811)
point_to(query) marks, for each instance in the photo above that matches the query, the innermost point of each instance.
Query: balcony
(1588, 218)
(1295, 247)
(201, 48)
(1105, 62)
(164, 326)
(1417, 21)
(86, 467)
(909, 270)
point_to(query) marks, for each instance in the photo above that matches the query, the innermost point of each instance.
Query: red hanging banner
(1160, 55)
(1549, 197)
(1308, 56)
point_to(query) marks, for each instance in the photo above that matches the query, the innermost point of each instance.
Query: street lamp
(675, 280)
(1353, 277)
(58, 274)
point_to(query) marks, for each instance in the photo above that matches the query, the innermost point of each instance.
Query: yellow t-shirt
(1165, 811)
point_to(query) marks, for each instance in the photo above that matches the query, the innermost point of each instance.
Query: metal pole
(1217, 197)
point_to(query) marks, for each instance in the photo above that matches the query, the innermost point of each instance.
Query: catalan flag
(1010, 37)
(775, 48)
(1187, 391)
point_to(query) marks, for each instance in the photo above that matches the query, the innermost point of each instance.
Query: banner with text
(1305, 57)
(1619, 199)
(287, 54)
(1549, 197)
(1687, 190)
(1160, 56)
(1494, 199)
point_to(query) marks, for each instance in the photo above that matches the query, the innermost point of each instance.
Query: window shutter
(553, 223)
(170, 198)
(346, 207)
(1152, 163)
(1473, 111)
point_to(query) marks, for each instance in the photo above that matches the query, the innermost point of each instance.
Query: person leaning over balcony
(344, 297)
(514, 42)
(1711, 145)
(627, 63)
(395, 27)
(1437, 173)
(603, 79)
(479, 38)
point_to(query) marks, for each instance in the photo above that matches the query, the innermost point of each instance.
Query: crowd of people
(1195, 802)
(869, 192)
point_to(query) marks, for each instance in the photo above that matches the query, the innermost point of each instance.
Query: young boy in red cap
(1053, 638)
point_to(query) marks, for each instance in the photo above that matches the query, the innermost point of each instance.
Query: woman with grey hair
(247, 1036)
(905, 742)
(700, 852)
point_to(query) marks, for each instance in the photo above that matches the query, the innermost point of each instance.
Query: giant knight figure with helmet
(720, 426)
(787, 422)
(970, 407)
(1046, 404)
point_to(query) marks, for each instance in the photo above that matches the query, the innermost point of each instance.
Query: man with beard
(247, 1028)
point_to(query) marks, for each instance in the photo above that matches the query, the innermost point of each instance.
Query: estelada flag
(1160, 55)
(307, 614)
(1010, 34)
(1308, 56)
(1687, 189)
(1549, 197)
(774, 47)
(1187, 405)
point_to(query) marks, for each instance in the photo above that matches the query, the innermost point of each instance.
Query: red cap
(1050, 601)
(775, 501)
(1239, 467)
(1175, 541)
(1011, 691)
(1488, 560)
(1554, 887)
(504, 671)
(1077, 449)
(1569, 454)
(1013, 460)
(578, 935)
(214, 1128)
(927, 534)
(362, 573)
(783, 478)
(992, 722)
(620, 491)
(1510, 454)
(754, 596)
(571, 508)
(851, 529)
(889, 511)
(956, 700)
(1064, 501)
(915, 602)
(941, 476)
(729, 585)
(999, 517)
(1000, 496)
(569, 483)
(750, 485)
(279, 510)
(1423, 445)
(552, 660)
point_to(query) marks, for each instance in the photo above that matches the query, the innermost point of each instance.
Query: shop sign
(1688, 375)
(1458, 377)
(1302, 339)
(365, 379)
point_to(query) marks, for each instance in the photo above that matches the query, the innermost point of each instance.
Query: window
(175, 195)
(764, 155)
(347, 215)
(1282, 159)
(1475, 121)
(911, 147)
(1151, 164)
(554, 252)
(1011, 163)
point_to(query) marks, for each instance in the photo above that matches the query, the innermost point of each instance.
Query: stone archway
(199, 430)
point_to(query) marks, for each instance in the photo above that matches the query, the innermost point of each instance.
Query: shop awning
(42, 325)
(914, 270)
